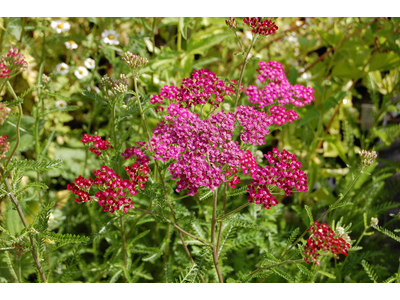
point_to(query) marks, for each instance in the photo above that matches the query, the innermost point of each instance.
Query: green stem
(233, 211)
(9, 87)
(220, 224)
(245, 61)
(213, 227)
(179, 42)
(3, 32)
(173, 224)
(124, 242)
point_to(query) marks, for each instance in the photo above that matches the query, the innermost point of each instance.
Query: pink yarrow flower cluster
(12, 63)
(255, 124)
(4, 112)
(201, 148)
(113, 189)
(323, 238)
(203, 87)
(99, 144)
(260, 26)
(4, 146)
(278, 90)
(284, 173)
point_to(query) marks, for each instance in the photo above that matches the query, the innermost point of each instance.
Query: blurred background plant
(352, 64)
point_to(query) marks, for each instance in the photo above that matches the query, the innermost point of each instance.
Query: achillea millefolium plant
(228, 151)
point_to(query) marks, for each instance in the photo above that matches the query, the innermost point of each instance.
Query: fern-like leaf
(371, 273)
(387, 232)
(34, 165)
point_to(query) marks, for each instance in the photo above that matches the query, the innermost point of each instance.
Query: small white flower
(374, 221)
(61, 104)
(89, 63)
(306, 76)
(81, 72)
(298, 23)
(226, 106)
(248, 34)
(71, 45)
(259, 156)
(293, 40)
(94, 89)
(60, 26)
(340, 230)
(62, 68)
(110, 37)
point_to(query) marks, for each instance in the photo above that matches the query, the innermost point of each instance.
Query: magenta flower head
(261, 25)
(277, 90)
(99, 144)
(203, 149)
(201, 88)
(323, 238)
(284, 173)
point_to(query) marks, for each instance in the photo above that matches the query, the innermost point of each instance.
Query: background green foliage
(353, 65)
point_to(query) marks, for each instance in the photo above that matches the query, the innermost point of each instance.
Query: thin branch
(213, 225)
(173, 224)
(233, 211)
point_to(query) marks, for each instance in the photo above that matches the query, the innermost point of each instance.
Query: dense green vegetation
(352, 64)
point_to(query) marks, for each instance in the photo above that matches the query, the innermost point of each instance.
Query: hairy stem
(220, 224)
(173, 224)
(245, 61)
(124, 242)
(9, 87)
(233, 211)
(213, 227)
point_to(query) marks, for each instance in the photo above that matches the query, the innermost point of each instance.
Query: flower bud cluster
(374, 221)
(99, 144)
(4, 146)
(12, 63)
(231, 23)
(368, 157)
(260, 26)
(45, 79)
(323, 238)
(203, 87)
(135, 62)
(4, 112)
(116, 86)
